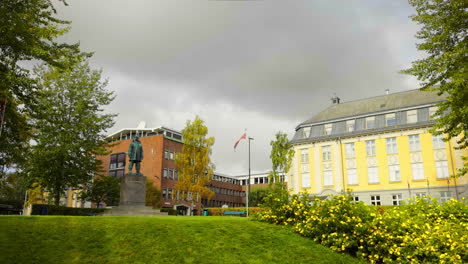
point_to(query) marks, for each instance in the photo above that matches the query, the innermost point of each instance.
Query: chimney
(335, 99)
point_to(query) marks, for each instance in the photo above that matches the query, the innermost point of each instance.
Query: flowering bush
(422, 231)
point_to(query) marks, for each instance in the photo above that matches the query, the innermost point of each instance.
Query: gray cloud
(261, 65)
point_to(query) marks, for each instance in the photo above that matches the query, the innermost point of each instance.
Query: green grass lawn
(61, 239)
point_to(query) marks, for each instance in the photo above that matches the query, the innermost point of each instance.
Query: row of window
(218, 203)
(169, 173)
(398, 198)
(392, 148)
(172, 194)
(225, 191)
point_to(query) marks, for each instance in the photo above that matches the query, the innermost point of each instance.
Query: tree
(28, 30)
(194, 163)
(444, 39)
(257, 195)
(13, 189)
(281, 158)
(69, 127)
(103, 189)
(153, 195)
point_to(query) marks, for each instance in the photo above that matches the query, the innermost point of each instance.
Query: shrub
(169, 211)
(422, 231)
(63, 210)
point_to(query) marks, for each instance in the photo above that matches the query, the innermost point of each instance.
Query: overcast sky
(264, 66)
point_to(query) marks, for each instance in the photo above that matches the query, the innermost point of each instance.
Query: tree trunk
(57, 197)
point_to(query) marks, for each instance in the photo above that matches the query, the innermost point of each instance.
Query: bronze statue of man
(135, 154)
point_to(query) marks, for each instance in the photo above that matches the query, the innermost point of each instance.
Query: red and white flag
(244, 136)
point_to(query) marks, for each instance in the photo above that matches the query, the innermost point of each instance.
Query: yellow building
(378, 147)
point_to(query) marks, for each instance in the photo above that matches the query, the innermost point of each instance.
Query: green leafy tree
(69, 127)
(194, 163)
(257, 195)
(153, 195)
(281, 157)
(28, 31)
(103, 189)
(13, 189)
(444, 38)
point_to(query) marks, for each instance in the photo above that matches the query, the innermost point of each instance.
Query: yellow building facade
(380, 148)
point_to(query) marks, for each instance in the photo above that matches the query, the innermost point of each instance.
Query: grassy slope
(52, 239)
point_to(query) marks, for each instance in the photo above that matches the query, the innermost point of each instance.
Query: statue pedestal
(133, 190)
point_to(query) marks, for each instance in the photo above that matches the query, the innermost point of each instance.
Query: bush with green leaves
(423, 231)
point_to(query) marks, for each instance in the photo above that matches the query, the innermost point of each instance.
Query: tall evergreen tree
(28, 31)
(69, 126)
(444, 36)
(194, 163)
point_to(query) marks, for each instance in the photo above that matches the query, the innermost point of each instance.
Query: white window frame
(305, 132)
(373, 175)
(305, 167)
(375, 200)
(392, 147)
(350, 125)
(389, 117)
(328, 178)
(432, 113)
(352, 176)
(420, 194)
(305, 155)
(411, 116)
(414, 143)
(350, 150)
(394, 173)
(328, 129)
(370, 148)
(442, 169)
(445, 196)
(305, 180)
(370, 122)
(397, 199)
(356, 198)
(326, 153)
(438, 142)
(417, 171)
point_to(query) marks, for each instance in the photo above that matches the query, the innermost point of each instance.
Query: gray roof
(376, 104)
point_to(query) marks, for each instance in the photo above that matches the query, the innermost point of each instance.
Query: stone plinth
(135, 210)
(132, 190)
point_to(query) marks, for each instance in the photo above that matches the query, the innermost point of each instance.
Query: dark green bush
(169, 211)
(62, 210)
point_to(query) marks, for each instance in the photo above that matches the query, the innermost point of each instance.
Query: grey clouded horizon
(264, 66)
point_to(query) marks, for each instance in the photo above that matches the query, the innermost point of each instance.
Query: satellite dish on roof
(141, 125)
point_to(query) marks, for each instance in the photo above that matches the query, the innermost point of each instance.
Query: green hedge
(169, 211)
(62, 210)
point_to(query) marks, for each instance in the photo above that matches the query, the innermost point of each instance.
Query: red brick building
(159, 146)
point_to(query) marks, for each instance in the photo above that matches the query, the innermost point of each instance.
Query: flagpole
(248, 182)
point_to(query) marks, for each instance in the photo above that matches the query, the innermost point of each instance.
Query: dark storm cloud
(277, 61)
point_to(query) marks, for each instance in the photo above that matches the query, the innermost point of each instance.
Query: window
(432, 113)
(442, 169)
(164, 173)
(328, 129)
(171, 155)
(375, 199)
(418, 171)
(414, 143)
(373, 174)
(370, 148)
(305, 167)
(166, 154)
(164, 193)
(304, 156)
(305, 132)
(396, 199)
(117, 161)
(438, 142)
(411, 116)
(370, 122)
(356, 198)
(391, 146)
(445, 196)
(350, 153)
(420, 194)
(327, 178)
(352, 176)
(390, 120)
(394, 171)
(350, 125)
(305, 180)
(326, 153)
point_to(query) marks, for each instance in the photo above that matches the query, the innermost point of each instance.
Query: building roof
(376, 104)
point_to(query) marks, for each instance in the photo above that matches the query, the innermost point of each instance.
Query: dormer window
(350, 125)
(432, 113)
(370, 122)
(305, 132)
(390, 120)
(411, 116)
(328, 129)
